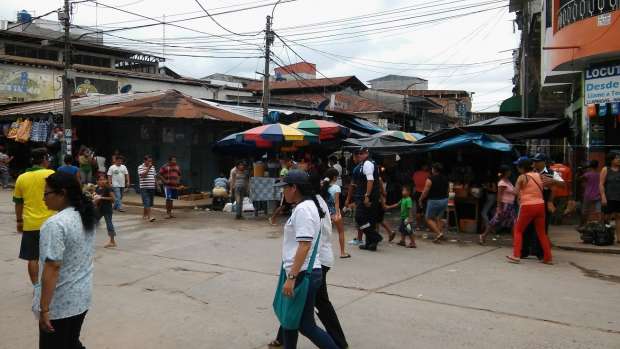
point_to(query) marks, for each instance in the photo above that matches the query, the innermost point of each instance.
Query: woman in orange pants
(532, 208)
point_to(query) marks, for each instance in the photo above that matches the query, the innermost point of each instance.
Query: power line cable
(159, 22)
(221, 26)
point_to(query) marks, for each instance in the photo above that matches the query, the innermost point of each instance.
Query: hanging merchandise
(39, 132)
(615, 108)
(602, 110)
(34, 130)
(23, 133)
(13, 129)
(591, 110)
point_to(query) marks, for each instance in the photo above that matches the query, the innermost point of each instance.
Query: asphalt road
(204, 280)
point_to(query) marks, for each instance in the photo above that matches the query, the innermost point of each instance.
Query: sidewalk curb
(588, 249)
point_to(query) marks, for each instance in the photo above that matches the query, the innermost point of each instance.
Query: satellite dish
(126, 88)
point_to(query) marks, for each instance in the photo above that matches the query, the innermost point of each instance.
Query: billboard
(602, 85)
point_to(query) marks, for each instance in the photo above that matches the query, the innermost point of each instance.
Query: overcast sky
(358, 47)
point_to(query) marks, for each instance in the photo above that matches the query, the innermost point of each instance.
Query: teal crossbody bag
(289, 309)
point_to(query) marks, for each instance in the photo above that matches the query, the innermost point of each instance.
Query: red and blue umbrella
(326, 130)
(277, 134)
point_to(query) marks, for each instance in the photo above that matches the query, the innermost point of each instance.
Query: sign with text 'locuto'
(602, 85)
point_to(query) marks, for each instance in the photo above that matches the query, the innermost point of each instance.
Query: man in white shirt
(118, 177)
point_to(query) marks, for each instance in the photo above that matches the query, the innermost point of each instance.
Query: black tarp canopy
(512, 128)
(383, 146)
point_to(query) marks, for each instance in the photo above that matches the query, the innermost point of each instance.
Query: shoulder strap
(313, 255)
(536, 182)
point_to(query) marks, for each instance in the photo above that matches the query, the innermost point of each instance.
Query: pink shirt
(509, 193)
(532, 191)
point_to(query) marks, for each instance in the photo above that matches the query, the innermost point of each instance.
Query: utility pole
(524, 60)
(66, 82)
(266, 91)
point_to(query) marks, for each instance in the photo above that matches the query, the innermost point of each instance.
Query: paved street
(204, 280)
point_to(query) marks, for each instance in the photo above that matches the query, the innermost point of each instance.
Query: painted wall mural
(23, 85)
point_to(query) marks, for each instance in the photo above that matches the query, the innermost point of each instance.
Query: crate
(469, 226)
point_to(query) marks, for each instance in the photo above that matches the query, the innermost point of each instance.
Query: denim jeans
(491, 201)
(308, 326)
(4, 178)
(118, 197)
(240, 193)
(327, 315)
(108, 224)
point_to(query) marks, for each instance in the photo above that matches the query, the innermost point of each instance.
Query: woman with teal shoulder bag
(300, 275)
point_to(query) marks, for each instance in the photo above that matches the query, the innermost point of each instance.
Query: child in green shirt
(406, 218)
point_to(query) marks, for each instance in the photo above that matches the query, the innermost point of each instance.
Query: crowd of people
(57, 211)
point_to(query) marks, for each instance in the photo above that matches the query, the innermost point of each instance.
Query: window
(30, 52)
(91, 60)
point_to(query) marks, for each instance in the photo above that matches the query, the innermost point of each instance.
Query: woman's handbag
(289, 309)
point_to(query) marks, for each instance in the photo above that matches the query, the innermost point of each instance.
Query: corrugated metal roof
(309, 83)
(256, 113)
(164, 104)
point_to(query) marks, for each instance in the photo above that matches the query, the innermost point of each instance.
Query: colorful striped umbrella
(278, 133)
(324, 129)
(398, 134)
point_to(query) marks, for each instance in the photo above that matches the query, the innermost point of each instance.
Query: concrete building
(31, 66)
(398, 82)
(160, 123)
(297, 71)
(573, 69)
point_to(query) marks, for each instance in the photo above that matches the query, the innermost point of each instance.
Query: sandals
(402, 243)
(481, 240)
(346, 255)
(438, 239)
(412, 245)
(513, 260)
(152, 220)
(392, 236)
(547, 262)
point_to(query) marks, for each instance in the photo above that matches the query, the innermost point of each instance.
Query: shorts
(416, 201)
(613, 206)
(29, 249)
(436, 208)
(589, 206)
(171, 193)
(405, 228)
(148, 196)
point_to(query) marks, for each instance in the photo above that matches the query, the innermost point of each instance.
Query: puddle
(593, 273)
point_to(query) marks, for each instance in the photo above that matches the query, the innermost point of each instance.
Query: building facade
(31, 67)
(573, 67)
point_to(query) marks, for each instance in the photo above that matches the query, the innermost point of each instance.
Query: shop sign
(603, 20)
(602, 85)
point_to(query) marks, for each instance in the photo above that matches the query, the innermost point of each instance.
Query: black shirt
(439, 188)
(105, 206)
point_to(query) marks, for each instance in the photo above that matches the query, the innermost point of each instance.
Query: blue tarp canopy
(482, 140)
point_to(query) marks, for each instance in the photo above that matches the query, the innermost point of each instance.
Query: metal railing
(577, 10)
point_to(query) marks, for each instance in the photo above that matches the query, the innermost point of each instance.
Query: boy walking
(103, 200)
(406, 218)
(118, 177)
(171, 176)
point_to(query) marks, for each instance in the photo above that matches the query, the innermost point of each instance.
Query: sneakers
(356, 242)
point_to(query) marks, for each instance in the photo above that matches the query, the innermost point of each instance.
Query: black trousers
(66, 334)
(327, 315)
(367, 219)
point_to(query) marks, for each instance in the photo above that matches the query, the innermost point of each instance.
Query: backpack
(605, 235)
